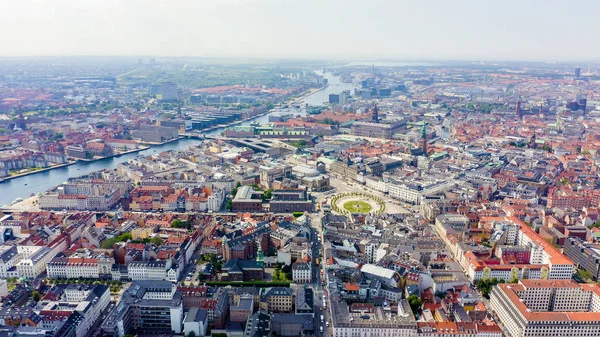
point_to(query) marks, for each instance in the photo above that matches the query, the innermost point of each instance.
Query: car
(327, 324)
(321, 329)
(321, 308)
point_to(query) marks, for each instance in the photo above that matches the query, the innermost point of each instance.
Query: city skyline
(345, 30)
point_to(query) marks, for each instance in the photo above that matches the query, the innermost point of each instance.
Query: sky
(522, 30)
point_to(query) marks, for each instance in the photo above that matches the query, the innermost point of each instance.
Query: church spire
(424, 138)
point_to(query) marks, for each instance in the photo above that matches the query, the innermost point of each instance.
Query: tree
(192, 334)
(177, 223)
(124, 237)
(415, 303)
(268, 194)
(157, 241)
(36, 296)
(584, 275)
(229, 205)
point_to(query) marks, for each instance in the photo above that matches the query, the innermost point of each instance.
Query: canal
(24, 186)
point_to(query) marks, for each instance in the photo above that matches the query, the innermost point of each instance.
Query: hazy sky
(550, 30)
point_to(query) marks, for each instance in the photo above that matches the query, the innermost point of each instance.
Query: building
(9, 257)
(34, 265)
(74, 267)
(301, 272)
(413, 192)
(155, 134)
(545, 260)
(453, 223)
(258, 325)
(334, 99)
(548, 308)
(382, 321)
(292, 325)
(376, 130)
(76, 151)
(168, 91)
(154, 306)
(277, 299)
(242, 270)
(585, 255)
(387, 277)
(247, 200)
(268, 174)
(288, 201)
(196, 320)
(305, 301)
(82, 303)
(243, 309)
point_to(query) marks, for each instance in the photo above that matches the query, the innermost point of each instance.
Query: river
(23, 187)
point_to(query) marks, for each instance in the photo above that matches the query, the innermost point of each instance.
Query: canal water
(24, 186)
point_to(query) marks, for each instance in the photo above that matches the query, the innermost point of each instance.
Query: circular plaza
(357, 203)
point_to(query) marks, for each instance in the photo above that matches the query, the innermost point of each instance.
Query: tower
(260, 256)
(224, 248)
(518, 109)
(375, 114)
(577, 72)
(179, 116)
(532, 143)
(424, 138)
(21, 122)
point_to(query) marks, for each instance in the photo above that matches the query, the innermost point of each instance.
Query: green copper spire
(424, 131)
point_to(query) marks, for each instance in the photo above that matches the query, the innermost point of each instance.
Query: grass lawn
(357, 206)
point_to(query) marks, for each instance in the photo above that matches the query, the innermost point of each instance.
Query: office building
(168, 91)
(585, 255)
(540, 308)
(334, 99)
(147, 306)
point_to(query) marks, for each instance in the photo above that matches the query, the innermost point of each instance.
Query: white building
(196, 320)
(545, 261)
(34, 265)
(414, 192)
(151, 270)
(215, 200)
(80, 267)
(540, 308)
(387, 277)
(301, 272)
(9, 257)
(87, 300)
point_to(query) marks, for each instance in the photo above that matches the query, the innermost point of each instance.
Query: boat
(25, 184)
(17, 200)
(255, 123)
